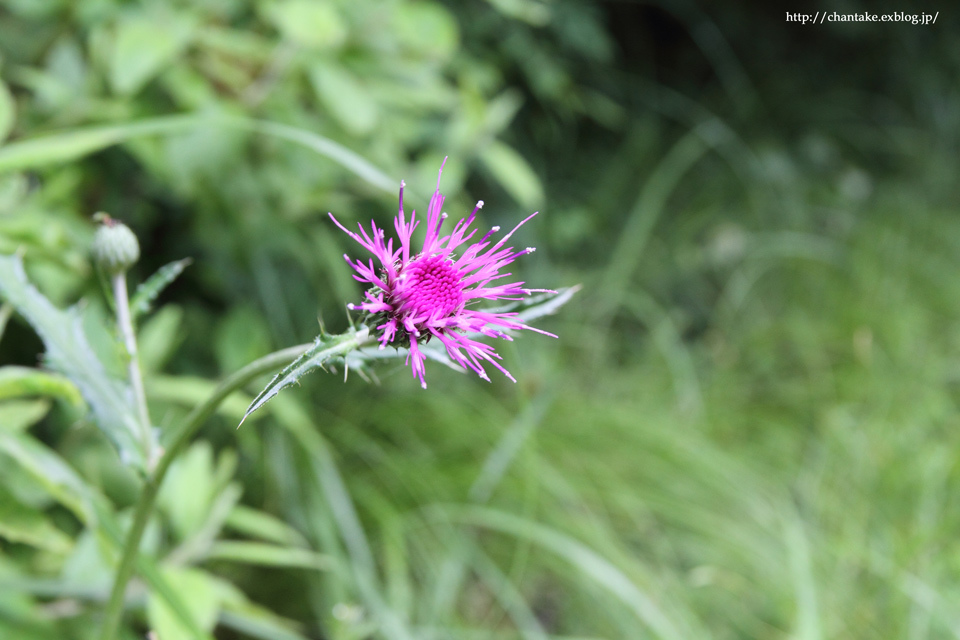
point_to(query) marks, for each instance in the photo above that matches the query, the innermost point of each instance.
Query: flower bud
(115, 248)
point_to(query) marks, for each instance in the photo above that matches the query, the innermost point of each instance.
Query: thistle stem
(125, 322)
(181, 438)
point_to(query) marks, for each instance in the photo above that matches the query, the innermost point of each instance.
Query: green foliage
(746, 428)
(69, 352)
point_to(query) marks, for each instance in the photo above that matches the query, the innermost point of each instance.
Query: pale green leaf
(186, 493)
(258, 524)
(344, 97)
(514, 174)
(200, 594)
(314, 24)
(144, 45)
(69, 352)
(426, 28)
(324, 350)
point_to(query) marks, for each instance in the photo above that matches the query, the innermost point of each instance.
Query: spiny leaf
(324, 349)
(70, 353)
(148, 291)
(527, 309)
(541, 305)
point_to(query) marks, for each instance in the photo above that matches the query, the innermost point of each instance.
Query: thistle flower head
(417, 296)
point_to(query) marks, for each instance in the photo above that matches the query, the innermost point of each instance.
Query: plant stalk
(125, 322)
(151, 487)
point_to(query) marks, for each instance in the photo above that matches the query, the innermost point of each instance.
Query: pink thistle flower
(430, 294)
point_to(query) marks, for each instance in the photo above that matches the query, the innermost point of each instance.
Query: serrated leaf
(18, 382)
(540, 305)
(148, 290)
(324, 349)
(70, 353)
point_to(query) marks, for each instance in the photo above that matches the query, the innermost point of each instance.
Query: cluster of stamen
(430, 286)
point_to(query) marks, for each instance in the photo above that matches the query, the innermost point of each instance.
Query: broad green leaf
(69, 352)
(324, 350)
(7, 111)
(144, 45)
(344, 97)
(147, 292)
(186, 493)
(314, 24)
(268, 555)
(197, 590)
(24, 524)
(18, 382)
(19, 416)
(514, 174)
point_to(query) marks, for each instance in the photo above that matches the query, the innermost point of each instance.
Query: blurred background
(746, 429)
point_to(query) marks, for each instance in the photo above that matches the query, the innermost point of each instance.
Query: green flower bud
(115, 248)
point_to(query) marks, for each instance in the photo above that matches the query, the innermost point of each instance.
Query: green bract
(115, 248)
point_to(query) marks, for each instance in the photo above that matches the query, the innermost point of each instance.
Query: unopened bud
(115, 248)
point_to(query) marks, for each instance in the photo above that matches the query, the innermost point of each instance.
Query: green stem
(125, 322)
(148, 495)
